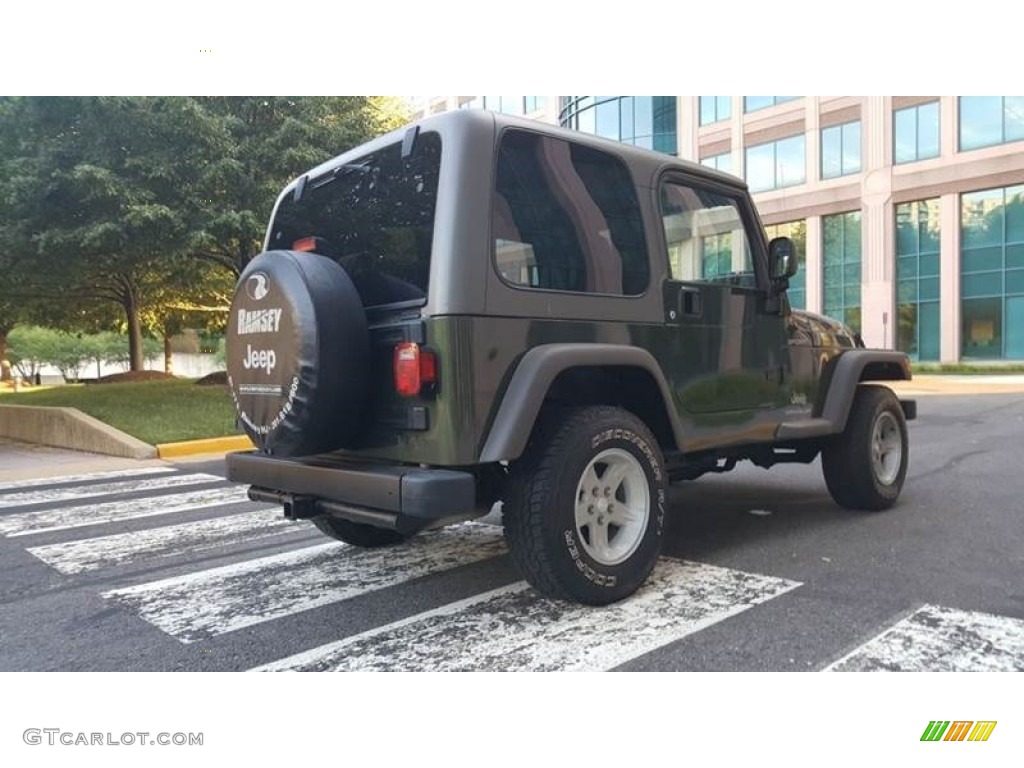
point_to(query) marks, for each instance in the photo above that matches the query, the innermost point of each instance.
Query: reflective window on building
(566, 217)
(606, 117)
(706, 237)
(916, 133)
(664, 116)
(989, 120)
(992, 274)
(776, 164)
(842, 262)
(644, 121)
(797, 232)
(586, 121)
(722, 162)
(754, 103)
(840, 150)
(715, 108)
(534, 103)
(509, 105)
(917, 279)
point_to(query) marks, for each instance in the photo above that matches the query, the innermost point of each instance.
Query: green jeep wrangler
(482, 309)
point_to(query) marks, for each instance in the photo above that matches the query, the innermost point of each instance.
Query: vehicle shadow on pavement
(706, 517)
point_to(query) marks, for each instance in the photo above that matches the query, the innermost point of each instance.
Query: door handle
(691, 302)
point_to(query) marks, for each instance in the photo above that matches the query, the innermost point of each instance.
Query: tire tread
(532, 484)
(845, 463)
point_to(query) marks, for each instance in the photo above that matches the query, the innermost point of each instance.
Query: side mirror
(782, 259)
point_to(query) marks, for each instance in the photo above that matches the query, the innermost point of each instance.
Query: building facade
(908, 210)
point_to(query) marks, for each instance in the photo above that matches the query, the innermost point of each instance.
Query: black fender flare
(532, 378)
(851, 368)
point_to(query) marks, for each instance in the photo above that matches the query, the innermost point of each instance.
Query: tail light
(415, 369)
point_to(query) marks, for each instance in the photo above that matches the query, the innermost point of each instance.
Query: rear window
(566, 217)
(375, 217)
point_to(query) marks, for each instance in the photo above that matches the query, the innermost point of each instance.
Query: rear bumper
(386, 495)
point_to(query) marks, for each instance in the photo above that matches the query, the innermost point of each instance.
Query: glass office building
(907, 211)
(644, 121)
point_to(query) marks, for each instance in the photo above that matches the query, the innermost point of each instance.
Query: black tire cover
(297, 354)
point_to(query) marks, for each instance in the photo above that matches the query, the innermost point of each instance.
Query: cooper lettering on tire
(585, 508)
(297, 354)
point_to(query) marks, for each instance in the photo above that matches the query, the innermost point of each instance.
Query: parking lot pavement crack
(952, 463)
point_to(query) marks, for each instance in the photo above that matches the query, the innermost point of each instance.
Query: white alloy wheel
(886, 448)
(613, 504)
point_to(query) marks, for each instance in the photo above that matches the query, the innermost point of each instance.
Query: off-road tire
(357, 534)
(542, 492)
(850, 473)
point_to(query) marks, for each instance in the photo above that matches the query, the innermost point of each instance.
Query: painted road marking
(201, 605)
(937, 639)
(105, 489)
(120, 549)
(47, 520)
(514, 629)
(66, 479)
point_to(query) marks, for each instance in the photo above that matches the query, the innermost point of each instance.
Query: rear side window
(566, 217)
(375, 217)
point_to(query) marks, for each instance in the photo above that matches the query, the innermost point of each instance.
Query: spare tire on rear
(298, 354)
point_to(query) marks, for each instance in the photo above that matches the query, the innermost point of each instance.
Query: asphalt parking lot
(167, 566)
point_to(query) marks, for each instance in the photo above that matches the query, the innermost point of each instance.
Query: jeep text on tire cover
(480, 308)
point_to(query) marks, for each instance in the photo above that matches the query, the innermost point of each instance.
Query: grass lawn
(153, 411)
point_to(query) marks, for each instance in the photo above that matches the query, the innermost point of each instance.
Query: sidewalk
(21, 461)
(930, 384)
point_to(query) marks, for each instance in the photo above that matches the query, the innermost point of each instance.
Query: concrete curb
(951, 384)
(69, 428)
(208, 445)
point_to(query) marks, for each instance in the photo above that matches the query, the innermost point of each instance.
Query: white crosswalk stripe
(211, 602)
(67, 479)
(60, 518)
(512, 628)
(83, 555)
(66, 493)
(938, 639)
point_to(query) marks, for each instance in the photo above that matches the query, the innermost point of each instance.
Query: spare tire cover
(297, 354)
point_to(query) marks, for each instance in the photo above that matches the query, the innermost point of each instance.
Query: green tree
(28, 349)
(8, 319)
(112, 348)
(103, 201)
(273, 140)
(32, 347)
(12, 272)
(67, 353)
(151, 206)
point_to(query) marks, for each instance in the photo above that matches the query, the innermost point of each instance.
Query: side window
(566, 217)
(707, 241)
